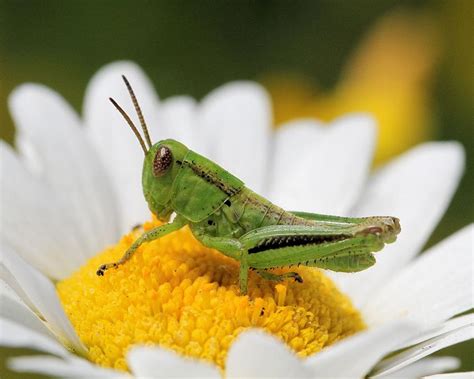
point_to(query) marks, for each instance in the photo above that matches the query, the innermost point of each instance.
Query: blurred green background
(317, 58)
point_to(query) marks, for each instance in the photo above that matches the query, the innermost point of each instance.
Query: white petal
(416, 187)
(258, 355)
(236, 121)
(178, 118)
(423, 349)
(445, 327)
(16, 335)
(432, 289)
(454, 375)
(66, 368)
(42, 294)
(50, 132)
(322, 169)
(117, 146)
(427, 366)
(294, 147)
(13, 309)
(29, 207)
(150, 362)
(355, 356)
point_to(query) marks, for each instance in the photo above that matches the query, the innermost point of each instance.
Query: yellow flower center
(178, 294)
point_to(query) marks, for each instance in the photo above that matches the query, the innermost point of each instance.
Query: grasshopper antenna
(139, 111)
(130, 122)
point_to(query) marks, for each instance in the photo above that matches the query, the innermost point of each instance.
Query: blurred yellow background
(407, 62)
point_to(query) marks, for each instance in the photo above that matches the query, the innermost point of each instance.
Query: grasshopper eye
(162, 161)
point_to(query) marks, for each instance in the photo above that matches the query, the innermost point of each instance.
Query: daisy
(73, 190)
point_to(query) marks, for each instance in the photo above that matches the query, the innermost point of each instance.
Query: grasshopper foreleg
(148, 236)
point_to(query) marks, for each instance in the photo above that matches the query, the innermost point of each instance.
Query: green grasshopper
(225, 215)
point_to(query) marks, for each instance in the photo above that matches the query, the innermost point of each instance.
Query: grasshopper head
(161, 164)
(160, 167)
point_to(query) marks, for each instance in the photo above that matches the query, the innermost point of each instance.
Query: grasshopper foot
(103, 268)
(278, 278)
(137, 227)
(296, 276)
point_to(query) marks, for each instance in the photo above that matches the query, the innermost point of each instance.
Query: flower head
(182, 296)
(68, 222)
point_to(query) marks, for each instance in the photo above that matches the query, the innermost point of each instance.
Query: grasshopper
(224, 214)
